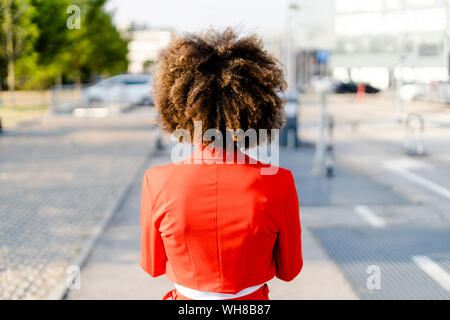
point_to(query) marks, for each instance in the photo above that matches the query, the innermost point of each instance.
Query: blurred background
(367, 138)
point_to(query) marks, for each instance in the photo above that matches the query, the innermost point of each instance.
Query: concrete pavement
(60, 180)
(382, 209)
(367, 217)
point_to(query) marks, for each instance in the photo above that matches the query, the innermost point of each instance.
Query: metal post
(290, 61)
(401, 63)
(446, 48)
(398, 100)
(291, 138)
(329, 154)
(319, 158)
(159, 140)
(413, 143)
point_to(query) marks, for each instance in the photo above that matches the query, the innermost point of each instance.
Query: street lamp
(323, 87)
(400, 67)
(288, 134)
(289, 58)
(445, 52)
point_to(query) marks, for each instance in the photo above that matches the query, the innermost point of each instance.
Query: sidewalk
(341, 242)
(403, 239)
(367, 217)
(112, 271)
(63, 178)
(60, 181)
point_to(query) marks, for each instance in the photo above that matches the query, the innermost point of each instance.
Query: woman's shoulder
(258, 169)
(155, 170)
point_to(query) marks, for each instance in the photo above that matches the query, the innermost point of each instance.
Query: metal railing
(413, 143)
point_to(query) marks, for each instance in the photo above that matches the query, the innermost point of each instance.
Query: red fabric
(219, 227)
(260, 294)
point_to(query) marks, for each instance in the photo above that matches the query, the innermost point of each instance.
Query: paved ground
(409, 240)
(327, 209)
(381, 210)
(371, 214)
(59, 179)
(112, 271)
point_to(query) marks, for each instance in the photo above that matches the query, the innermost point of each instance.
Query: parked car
(352, 87)
(345, 87)
(370, 89)
(127, 89)
(411, 91)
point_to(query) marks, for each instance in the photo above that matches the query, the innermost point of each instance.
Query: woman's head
(223, 80)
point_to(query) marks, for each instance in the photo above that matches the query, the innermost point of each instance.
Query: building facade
(379, 41)
(144, 48)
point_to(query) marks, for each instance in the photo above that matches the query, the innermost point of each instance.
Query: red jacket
(219, 227)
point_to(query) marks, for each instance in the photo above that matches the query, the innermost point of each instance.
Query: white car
(124, 89)
(411, 91)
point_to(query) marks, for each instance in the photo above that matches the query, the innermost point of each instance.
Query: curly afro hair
(223, 80)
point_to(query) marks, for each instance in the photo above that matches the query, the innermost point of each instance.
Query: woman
(219, 229)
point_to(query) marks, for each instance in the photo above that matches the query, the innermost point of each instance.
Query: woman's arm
(153, 255)
(288, 248)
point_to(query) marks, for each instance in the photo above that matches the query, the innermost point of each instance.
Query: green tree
(97, 48)
(52, 43)
(109, 48)
(46, 51)
(17, 57)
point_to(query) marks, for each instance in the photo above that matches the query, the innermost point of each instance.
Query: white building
(145, 46)
(378, 41)
(311, 28)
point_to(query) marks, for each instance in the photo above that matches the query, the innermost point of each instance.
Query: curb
(60, 290)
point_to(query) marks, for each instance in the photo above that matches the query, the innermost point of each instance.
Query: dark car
(345, 87)
(370, 89)
(352, 87)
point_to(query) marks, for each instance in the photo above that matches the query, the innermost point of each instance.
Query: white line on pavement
(433, 270)
(406, 164)
(440, 190)
(402, 166)
(370, 216)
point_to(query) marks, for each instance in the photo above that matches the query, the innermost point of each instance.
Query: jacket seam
(192, 260)
(286, 198)
(248, 254)
(148, 260)
(217, 230)
(284, 217)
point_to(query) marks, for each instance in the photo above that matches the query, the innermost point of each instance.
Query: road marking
(433, 270)
(370, 216)
(90, 112)
(406, 164)
(428, 184)
(400, 167)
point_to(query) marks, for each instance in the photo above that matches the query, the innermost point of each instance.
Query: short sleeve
(288, 248)
(153, 256)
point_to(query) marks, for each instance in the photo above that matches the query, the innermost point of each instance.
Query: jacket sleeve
(288, 247)
(153, 256)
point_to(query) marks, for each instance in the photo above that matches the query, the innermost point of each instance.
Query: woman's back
(215, 227)
(220, 227)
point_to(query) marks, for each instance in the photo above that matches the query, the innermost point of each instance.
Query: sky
(194, 15)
